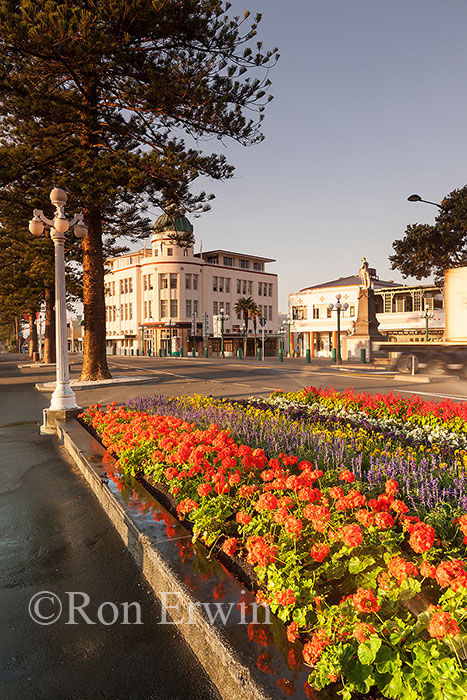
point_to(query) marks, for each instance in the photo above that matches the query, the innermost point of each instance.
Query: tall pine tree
(109, 98)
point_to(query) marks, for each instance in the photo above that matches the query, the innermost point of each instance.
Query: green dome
(172, 222)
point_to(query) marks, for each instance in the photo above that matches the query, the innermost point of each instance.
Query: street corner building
(399, 312)
(167, 299)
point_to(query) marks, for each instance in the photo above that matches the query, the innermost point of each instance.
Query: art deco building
(167, 297)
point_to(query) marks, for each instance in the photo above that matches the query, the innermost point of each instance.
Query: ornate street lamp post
(223, 319)
(338, 308)
(63, 398)
(428, 317)
(288, 323)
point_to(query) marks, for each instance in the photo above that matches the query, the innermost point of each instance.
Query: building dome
(172, 222)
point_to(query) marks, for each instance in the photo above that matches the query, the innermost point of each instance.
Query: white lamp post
(63, 398)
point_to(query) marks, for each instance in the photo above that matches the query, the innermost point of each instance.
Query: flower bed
(431, 479)
(378, 596)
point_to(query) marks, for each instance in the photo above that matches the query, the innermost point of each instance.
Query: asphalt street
(56, 538)
(230, 377)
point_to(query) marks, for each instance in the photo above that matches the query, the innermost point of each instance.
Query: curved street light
(417, 198)
(63, 398)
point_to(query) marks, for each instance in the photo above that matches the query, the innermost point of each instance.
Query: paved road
(55, 537)
(230, 377)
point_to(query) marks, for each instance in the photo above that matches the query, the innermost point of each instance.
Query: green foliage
(427, 250)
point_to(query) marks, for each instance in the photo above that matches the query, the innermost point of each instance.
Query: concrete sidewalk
(56, 538)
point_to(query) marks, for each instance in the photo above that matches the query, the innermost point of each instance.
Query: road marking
(431, 393)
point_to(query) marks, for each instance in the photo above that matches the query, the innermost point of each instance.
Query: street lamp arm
(40, 214)
(435, 204)
(77, 218)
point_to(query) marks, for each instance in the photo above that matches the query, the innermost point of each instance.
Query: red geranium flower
(365, 601)
(442, 624)
(351, 535)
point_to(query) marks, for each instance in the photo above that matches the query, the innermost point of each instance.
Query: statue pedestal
(366, 327)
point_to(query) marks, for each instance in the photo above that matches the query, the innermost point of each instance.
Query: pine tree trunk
(48, 355)
(33, 347)
(17, 335)
(94, 352)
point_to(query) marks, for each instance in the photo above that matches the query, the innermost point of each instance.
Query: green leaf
(367, 650)
(395, 686)
(387, 660)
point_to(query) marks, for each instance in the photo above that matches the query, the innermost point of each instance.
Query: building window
(429, 303)
(187, 281)
(269, 290)
(149, 282)
(156, 252)
(188, 308)
(149, 309)
(163, 308)
(213, 259)
(352, 310)
(145, 283)
(126, 285)
(173, 308)
(260, 289)
(227, 308)
(215, 307)
(121, 286)
(228, 262)
(250, 287)
(388, 303)
(214, 284)
(315, 311)
(258, 266)
(195, 306)
(173, 280)
(329, 313)
(245, 264)
(270, 313)
(227, 285)
(239, 286)
(299, 313)
(400, 304)
(131, 311)
(145, 309)
(170, 251)
(130, 285)
(163, 282)
(195, 281)
(113, 288)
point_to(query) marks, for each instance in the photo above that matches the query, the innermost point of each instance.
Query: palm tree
(253, 314)
(243, 306)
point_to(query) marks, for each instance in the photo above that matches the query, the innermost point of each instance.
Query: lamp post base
(52, 417)
(63, 398)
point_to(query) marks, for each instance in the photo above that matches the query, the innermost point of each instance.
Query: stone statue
(364, 274)
(353, 329)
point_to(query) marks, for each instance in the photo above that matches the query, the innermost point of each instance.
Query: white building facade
(400, 311)
(167, 298)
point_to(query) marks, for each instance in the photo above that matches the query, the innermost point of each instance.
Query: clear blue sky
(370, 105)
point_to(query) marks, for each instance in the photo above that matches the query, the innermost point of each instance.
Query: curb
(227, 652)
(425, 378)
(116, 381)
